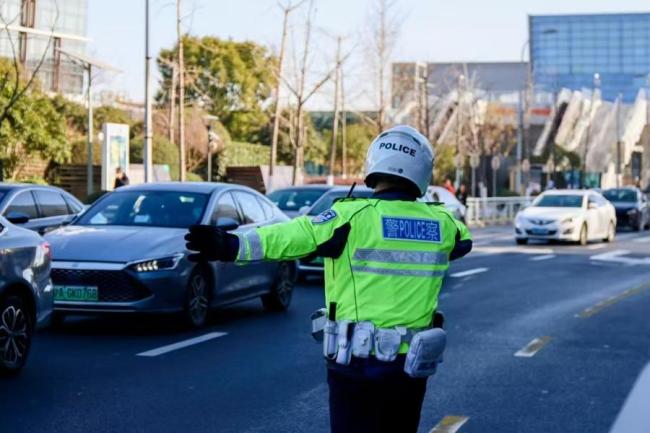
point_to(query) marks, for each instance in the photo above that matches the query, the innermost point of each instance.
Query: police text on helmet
(397, 147)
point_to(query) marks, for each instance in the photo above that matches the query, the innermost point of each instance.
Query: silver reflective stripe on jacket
(402, 256)
(399, 272)
(250, 246)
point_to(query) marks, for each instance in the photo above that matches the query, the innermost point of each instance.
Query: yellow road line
(450, 424)
(600, 306)
(529, 350)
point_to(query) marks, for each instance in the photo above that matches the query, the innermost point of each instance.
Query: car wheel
(279, 298)
(15, 335)
(611, 232)
(640, 225)
(522, 241)
(584, 237)
(197, 299)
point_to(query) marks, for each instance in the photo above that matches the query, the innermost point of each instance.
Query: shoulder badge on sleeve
(324, 217)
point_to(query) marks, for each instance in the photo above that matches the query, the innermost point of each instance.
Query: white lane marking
(544, 257)
(641, 240)
(529, 350)
(468, 272)
(634, 414)
(595, 246)
(182, 344)
(614, 299)
(450, 424)
(617, 256)
(517, 250)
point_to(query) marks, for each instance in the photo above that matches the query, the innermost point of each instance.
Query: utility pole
(276, 118)
(181, 95)
(520, 141)
(335, 120)
(344, 137)
(148, 123)
(89, 168)
(172, 105)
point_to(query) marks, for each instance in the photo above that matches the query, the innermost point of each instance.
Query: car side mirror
(592, 206)
(303, 210)
(227, 223)
(17, 217)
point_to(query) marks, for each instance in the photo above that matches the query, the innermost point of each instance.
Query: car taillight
(47, 250)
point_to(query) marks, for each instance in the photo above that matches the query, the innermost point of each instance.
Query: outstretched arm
(463, 241)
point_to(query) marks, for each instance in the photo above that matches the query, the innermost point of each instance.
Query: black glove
(211, 243)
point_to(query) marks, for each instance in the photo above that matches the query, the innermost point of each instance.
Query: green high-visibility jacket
(391, 267)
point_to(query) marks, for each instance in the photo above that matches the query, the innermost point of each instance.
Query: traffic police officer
(385, 259)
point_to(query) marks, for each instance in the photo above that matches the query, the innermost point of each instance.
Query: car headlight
(567, 220)
(162, 264)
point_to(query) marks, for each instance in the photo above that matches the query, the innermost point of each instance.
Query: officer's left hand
(211, 243)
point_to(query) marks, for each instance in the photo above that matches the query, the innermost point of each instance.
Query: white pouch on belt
(425, 352)
(387, 343)
(362, 340)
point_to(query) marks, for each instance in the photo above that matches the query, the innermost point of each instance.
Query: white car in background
(567, 215)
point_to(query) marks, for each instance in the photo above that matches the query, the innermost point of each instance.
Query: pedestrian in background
(449, 186)
(461, 194)
(121, 179)
(385, 260)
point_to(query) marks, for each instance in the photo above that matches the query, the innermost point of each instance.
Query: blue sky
(431, 30)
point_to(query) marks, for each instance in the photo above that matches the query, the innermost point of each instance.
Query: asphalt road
(585, 310)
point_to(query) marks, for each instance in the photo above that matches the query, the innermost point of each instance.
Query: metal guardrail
(483, 211)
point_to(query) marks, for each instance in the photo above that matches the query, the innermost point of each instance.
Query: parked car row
(582, 215)
(126, 254)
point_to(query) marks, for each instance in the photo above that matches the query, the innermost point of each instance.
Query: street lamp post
(148, 122)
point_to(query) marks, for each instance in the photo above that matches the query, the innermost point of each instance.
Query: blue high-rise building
(568, 50)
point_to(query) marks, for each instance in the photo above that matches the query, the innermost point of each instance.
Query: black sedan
(126, 253)
(632, 208)
(37, 207)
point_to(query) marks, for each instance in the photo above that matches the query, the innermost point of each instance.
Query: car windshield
(558, 200)
(327, 200)
(294, 199)
(626, 195)
(147, 208)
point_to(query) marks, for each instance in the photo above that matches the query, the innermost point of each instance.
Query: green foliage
(193, 177)
(358, 137)
(164, 152)
(444, 167)
(233, 79)
(244, 154)
(33, 126)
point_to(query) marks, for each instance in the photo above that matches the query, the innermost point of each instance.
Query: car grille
(113, 286)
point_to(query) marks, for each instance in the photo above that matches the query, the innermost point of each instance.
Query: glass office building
(567, 50)
(41, 29)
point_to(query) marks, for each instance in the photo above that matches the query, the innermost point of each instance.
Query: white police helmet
(403, 152)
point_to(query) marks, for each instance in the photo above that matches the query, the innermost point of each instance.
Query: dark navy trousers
(371, 396)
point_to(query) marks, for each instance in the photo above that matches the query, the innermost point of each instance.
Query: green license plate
(76, 293)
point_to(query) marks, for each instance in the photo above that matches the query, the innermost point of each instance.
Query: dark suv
(26, 297)
(632, 208)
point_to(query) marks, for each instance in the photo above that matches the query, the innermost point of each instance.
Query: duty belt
(343, 339)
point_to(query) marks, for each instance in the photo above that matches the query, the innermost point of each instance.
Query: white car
(439, 193)
(567, 215)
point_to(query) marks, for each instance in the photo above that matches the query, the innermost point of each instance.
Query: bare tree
(335, 117)
(21, 79)
(383, 34)
(286, 10)
(301, 95)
